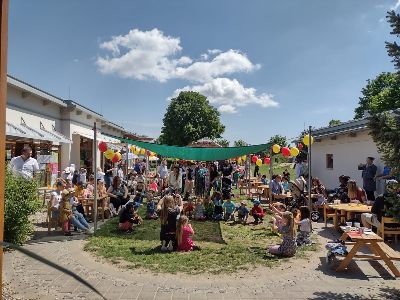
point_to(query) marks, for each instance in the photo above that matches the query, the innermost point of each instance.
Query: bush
(21, 200)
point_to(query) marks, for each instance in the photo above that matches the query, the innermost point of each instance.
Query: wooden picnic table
(88, 206)
(349, 208)
(380, 250)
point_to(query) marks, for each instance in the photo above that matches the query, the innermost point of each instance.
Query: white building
(59, 131)
(340, 149)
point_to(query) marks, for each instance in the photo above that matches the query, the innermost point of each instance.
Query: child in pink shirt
(183, 235)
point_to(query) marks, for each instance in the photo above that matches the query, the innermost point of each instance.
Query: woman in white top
(175, 179)
(55, 198)
(163, 173)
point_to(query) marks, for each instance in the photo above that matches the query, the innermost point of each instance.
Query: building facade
(59, 131)
(340, 149)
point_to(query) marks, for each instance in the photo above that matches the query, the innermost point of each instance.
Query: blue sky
(270, 67)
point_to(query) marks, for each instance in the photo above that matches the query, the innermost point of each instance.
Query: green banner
(193, 153)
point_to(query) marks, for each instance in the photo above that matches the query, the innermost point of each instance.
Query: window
(329, 161)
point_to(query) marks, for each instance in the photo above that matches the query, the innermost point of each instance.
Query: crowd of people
(186, 190)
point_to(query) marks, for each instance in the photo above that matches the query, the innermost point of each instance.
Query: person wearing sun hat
(257, 212)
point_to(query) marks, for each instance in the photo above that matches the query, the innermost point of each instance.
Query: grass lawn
(226, 247)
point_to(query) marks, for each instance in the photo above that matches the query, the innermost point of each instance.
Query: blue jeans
(79, 221)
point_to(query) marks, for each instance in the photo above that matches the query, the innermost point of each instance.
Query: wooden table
(380, 250)
(44, 190)
(88, 206)
(351, 208)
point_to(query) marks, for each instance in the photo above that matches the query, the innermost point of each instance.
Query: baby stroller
(226, 187)
(297, 188)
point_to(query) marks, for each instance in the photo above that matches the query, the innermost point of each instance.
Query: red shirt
(258, 210)
(187, 243)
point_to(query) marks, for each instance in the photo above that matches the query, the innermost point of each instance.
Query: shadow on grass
(150, 251)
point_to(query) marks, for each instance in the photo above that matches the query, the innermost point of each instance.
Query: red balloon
(285, 151)
(267, 160)
(254, 159)
(300, 146)
(115, 159)
(103, 146)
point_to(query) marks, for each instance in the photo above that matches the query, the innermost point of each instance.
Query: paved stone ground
(25, 278)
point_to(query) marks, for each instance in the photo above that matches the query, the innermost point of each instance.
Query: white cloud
(229, 94)
(214, 51)
(141, 55)
(231, 61)
(152, 55)
(230, 109)
(396, 5)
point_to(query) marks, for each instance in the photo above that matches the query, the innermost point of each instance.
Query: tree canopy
(379, 95)
(222, 142)
(277, 139)
(190, 117)
(239, 143)
(382, 100)
(334, 122)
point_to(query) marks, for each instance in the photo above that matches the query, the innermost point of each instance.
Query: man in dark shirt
(108, 173)
(368, 176)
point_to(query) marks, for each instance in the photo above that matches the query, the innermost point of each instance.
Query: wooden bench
(383, 229)
(390, 252)
(379, 250)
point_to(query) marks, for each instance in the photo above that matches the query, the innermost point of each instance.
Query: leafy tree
(239, 143)
(385, 126)
(392, 48)
(20, 201)
(380, 94)
(222, 142)
(190, 117)
(385, 131)
(277, 139)
(334, 122)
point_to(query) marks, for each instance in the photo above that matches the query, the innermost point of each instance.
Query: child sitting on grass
(208, 208)
(288, 246)
(218, 202)
(188, 208)
(199, 210)
(151, 213)
(184, 231)
(168, 214)
(305, 227)
(229, 210)
(257, 212)
(242, 212)
(127, 217)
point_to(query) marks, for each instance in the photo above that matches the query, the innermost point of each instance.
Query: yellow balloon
(136, 151)
(306, 140)
(119, 155)
(239, 160)
(109, 154)
(276, 148)
(244, 157)
(132, 148)
(142, 151)
(259, 162)
(294, 151)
